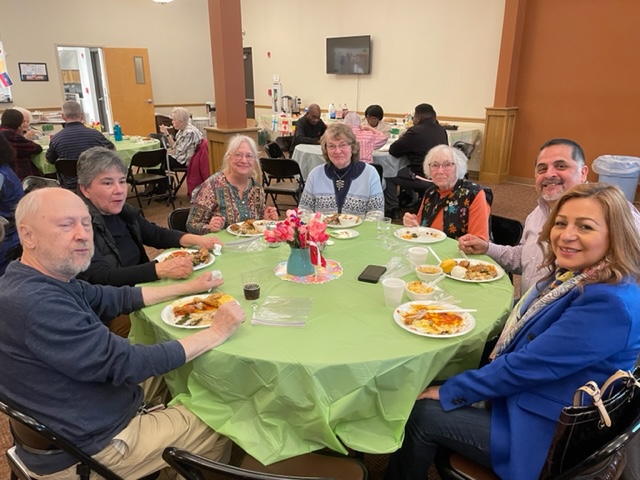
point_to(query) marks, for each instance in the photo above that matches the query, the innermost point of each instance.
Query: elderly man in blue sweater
(60, 363)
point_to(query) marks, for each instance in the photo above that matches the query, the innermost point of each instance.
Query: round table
(124, 148)
(349, 377)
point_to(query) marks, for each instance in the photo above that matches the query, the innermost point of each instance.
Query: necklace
(340, 182)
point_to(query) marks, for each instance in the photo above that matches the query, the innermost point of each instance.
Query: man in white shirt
(560, 165)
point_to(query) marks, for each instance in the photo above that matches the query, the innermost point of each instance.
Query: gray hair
(446, 151)
(181, 113)
(72, 110)
(26, 114)
(233, 145)
(27, 206)
(95, 161)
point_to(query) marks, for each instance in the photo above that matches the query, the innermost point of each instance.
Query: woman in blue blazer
(581, 323)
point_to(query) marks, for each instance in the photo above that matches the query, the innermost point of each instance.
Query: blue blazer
(585, 335)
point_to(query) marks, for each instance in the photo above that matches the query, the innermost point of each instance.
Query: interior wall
(176, 36)
(578, 78)
(444, 53)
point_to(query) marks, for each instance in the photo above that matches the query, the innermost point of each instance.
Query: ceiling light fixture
(163, 1)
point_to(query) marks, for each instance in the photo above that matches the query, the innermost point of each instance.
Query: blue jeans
(465, 430)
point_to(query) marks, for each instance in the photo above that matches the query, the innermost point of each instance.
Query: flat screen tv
(349, 55)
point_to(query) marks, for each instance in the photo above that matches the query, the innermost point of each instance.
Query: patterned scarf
(533, 302)
(455, 207)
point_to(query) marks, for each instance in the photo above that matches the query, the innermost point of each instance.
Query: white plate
(259, 223)
(423, 234)
(169, 318)
(164, 255)
(478, 262)
(343, 234)
(469, 322)
(358, 222)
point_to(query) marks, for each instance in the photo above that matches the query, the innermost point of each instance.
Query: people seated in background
(11, 129)
(416, 142)
(451, 204)
(232, 195)
(10, 194)
(120, 232)
(187, 139)
(373, 116)
(368, 137)
(343, 184)
(559, 166)
(60, 364)
(74, 139)
(580, 322)
(25, 128)
(309, 128)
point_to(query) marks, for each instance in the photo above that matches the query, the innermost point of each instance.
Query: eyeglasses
(340, 146)
(445, 166)
(249, 156)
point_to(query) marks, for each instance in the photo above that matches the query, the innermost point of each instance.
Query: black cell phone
(372, 274)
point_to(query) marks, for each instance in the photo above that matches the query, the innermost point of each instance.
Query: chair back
(27, 431)
(273, 150)
(150, 159)
(32, 182)
(195, 467)
(161, 138)
(379, 170)
(505, 231)
(198, 169)
(464, 147)
(67, 173)
(177, 219)
(280, 169)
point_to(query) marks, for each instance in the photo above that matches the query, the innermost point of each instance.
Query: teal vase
(299, 262)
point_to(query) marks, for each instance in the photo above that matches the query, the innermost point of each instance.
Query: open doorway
(83, 80)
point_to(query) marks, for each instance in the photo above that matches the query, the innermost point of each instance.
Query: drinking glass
(384, 226)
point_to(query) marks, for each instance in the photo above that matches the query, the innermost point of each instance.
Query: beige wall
(444, 53)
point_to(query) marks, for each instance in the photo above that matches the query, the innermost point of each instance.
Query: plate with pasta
(194, 311)
(433, 319)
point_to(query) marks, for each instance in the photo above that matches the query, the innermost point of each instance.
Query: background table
(310, 156)
(124, 148)
(349, 377)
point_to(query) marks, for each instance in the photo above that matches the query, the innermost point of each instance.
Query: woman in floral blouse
(452, 204)
(233, 194)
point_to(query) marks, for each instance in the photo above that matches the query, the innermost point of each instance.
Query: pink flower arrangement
(297, 233)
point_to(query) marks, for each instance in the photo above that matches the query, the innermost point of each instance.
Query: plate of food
(470, 270)
(343, 234)
(420, 234)
(342, 220)
(200, 257)
(248, 228)
(194, 311)
(433, 319)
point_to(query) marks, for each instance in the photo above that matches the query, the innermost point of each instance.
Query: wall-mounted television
(349, 55)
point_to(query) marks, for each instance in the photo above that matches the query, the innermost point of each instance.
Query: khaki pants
(137, 450)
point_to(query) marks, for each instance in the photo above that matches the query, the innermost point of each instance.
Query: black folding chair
(466, 148)
(505, 231)
(282, 176)
(273, 150)
(319, 466)
(67, 173)
(177, 219)
(32, 182)
(151, 159)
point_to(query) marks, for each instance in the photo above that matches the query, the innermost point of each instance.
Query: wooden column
(500, 119)
(225, 25)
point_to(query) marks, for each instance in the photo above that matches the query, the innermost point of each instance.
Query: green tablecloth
(125, 149)
(349, 377)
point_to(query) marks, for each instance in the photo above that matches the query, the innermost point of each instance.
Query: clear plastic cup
(393, 290)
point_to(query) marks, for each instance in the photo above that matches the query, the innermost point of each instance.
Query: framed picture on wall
(33, 72)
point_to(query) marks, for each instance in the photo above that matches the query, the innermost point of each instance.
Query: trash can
(619, 170)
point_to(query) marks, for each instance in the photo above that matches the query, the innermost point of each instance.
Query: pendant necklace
(340, 182)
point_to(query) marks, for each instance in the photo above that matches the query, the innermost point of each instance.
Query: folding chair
(67, 173)
(321, 467)
(32, 182)
(177, 219)
(505, 231)
(464, 147)
(273, 150)
(282, 176)
(148, 160)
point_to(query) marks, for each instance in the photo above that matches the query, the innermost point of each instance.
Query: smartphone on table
(372, 273)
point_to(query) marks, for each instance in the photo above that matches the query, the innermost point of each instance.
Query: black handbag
(583, 429)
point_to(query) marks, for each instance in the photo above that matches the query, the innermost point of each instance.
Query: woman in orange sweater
(452, 204)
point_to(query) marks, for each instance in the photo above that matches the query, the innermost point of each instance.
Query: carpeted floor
(510, 200)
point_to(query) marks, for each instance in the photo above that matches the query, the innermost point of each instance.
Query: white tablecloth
(310, 156)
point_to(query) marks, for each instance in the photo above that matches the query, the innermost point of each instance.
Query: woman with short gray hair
(120, 232)
(187, 139)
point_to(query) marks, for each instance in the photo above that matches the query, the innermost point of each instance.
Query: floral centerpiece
(303, 238)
